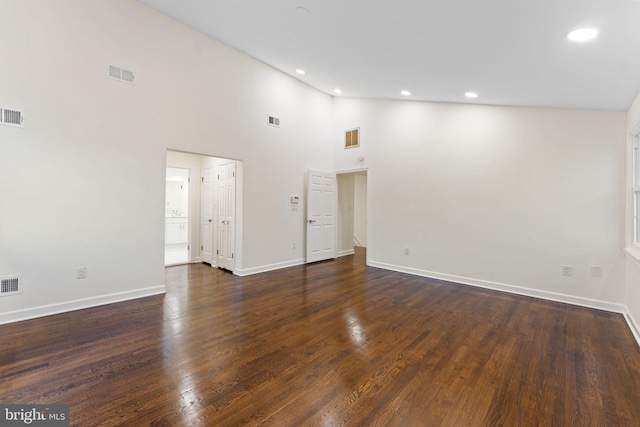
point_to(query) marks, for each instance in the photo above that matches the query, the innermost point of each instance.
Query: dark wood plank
(333, 343)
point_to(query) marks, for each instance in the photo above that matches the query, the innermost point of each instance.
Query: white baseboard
(50, 309)
(213, 263)
(279, 265)
(269, 267)
(519, 290)
(345, 253)
(633, 325)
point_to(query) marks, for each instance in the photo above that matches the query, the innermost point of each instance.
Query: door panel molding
(321, 215)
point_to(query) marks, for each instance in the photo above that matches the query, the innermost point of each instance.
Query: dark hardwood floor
(333, 343)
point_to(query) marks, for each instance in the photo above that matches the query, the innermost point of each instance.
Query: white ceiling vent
(273, 121)
(120, 74)
(12, 117)
(10, 285)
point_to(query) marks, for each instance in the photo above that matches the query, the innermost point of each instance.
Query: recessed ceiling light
(582, 35)
(338, 91)
(299, 71)
(406, 93)
(471, 95)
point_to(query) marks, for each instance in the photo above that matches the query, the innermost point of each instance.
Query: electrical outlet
(81, 273)
(407, 251)
(293, 245)
(567, 270)
(596, 271)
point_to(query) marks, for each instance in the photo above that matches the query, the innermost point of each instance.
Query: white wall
(494, 196)
(59, 193)
(632, 263)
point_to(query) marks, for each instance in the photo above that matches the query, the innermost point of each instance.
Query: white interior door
(321, 216)
(226, 215)
(207, 215)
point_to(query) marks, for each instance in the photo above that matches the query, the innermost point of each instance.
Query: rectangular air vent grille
(273, 121)
(115, 72)
(352, 138)
(12, 117)
(127, 76)
(10, 285)
(120, 74)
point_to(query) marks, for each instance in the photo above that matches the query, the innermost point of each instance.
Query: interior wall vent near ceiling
(120, 74)
(10, 285)
(12, 117)
(352, 138)
(273, 121)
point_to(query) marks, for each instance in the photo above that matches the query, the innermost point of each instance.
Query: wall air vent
(115, 72)
(120, 74)
(12, 117)
(127, 76)
(352, 138)
(10, 285)
(273, 121)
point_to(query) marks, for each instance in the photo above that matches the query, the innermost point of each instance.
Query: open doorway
(200, 214)
(176, 236)
(353, 213)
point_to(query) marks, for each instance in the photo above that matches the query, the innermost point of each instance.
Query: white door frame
(366, 169)
(238, 247)
(228, 263)
(212, 224)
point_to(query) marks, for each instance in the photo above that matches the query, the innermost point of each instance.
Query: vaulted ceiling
(509, 52)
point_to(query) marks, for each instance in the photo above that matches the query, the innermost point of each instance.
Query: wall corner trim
(633, 325)
(345, 253)
(63, 307)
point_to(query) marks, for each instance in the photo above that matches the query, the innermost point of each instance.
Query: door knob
(311, 221)
(210, 220)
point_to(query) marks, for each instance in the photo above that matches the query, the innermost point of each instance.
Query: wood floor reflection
(332, 343)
